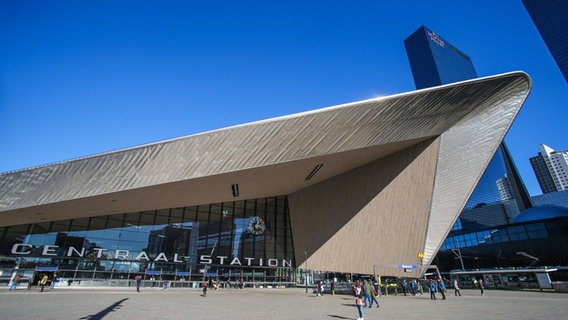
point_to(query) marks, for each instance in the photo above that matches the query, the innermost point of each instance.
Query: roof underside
(266, 158)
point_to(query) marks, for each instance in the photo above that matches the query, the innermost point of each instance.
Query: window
(517, 233)
(536, 231)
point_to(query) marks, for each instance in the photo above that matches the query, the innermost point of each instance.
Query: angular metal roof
(274, 156)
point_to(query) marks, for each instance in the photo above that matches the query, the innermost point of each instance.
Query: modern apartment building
(551, 169)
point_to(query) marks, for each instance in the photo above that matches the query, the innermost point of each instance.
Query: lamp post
(459, 255)
(306, 273)
(535, 259)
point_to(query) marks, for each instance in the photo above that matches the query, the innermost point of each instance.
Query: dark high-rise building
(551, 20)
(434, 61)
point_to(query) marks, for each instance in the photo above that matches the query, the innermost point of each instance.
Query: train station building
(338, 189)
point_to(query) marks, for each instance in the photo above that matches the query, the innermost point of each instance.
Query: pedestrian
(138, 279)
(367, 289)
(374, 294)
(53, 281)
(31, 281)
(205, 288)
(480, 282)
(457, 288)
(165, 284)
(377, 287)
(413, 287)
(320, 288)
(333, 287)
(15, 281)
(403, 284)
(442, 288)
(359, 301)
(43, 281)
(432, 288)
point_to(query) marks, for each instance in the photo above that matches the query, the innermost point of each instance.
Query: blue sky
(79, 78)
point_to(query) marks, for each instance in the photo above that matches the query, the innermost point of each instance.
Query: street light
(459, 255)
(521, 253)
(307, 272)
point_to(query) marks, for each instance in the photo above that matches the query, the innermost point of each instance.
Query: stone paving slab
(254, 304)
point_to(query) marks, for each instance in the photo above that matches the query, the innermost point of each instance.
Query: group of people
(42, 281)
(365, 294)
(439, 286)
(434, 286)
(414, 287)
(216, 285)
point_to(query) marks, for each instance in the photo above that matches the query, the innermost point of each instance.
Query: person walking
(404, 284)
(480, 282)
(457, 288)
(320, 288)
(15, 281)
(359, 301)
(333, 287)
(31, 281)
(53, 281)
(367, 289)
(442, 288)
(138, 279)
(43, 281)
(413, 287)
(205, 288)
(377, 287)
(374, 297)
(432, 288)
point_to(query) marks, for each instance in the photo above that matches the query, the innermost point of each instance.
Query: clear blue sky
(84, 77)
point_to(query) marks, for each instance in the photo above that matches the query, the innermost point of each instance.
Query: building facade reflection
(248, 241)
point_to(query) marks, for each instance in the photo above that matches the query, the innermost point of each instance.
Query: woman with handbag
(359, 300)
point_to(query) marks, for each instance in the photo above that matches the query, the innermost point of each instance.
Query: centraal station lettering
(53, 250)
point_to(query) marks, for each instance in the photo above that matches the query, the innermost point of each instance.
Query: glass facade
(247, 241)
(550, 17)
(536, 243)
(500, 194)
(535, 230)
(486, 207)
(434, 61)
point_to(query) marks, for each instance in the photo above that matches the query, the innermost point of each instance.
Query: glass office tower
(551, 20)
(434, 61)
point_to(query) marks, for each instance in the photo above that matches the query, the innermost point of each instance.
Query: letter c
(16, 247)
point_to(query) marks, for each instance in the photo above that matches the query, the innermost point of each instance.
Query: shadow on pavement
(106, 311)
(338, 317)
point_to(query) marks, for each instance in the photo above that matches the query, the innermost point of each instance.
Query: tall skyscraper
(551, 169)
(435, 61)
(551, 20)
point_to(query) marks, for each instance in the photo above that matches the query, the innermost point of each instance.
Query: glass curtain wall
(248, 242)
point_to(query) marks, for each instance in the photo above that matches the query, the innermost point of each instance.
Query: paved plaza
(253, 304)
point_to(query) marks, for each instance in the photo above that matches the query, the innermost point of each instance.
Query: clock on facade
(256, 225)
